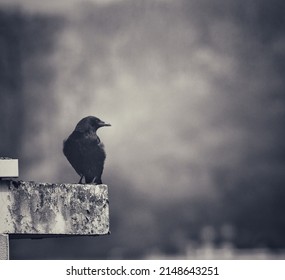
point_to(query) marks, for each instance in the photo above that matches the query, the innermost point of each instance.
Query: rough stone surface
(44, 208)
(4, 247)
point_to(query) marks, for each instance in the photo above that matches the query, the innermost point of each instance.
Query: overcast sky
(52, 5)
(190, 87)
(187, 86)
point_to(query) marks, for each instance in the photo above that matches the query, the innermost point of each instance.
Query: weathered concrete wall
(4, 247)
(44, 208)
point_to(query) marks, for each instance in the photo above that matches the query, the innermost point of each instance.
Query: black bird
(85, 151)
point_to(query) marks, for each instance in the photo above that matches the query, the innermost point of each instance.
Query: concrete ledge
(4, 247)
(44, 208)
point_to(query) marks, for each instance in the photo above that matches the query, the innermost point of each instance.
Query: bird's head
(90, 124)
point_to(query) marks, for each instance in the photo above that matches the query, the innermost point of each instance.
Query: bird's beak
(104, 124)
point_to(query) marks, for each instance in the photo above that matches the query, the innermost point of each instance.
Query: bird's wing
(72, 151)
(86, 155)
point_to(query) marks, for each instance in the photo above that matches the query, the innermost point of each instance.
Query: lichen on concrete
(44, 208)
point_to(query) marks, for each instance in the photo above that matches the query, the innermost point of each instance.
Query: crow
(84, 150)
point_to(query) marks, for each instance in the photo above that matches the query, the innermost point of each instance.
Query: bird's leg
(97, 180)
(80, 181)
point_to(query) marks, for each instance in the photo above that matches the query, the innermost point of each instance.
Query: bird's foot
(97, 181)
(80, 181)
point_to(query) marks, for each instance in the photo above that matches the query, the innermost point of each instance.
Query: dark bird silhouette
(84, 150)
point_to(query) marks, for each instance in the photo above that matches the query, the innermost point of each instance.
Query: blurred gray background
(194, 90)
